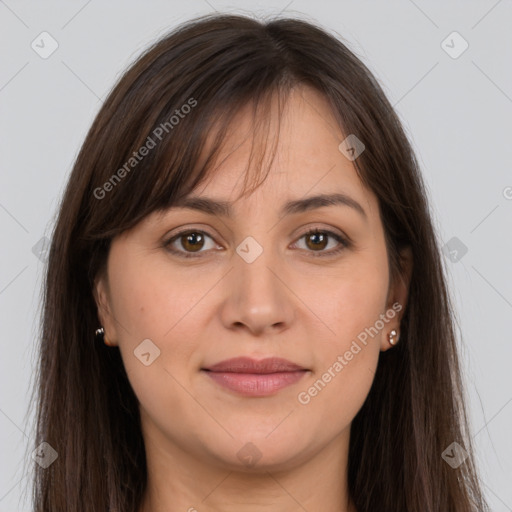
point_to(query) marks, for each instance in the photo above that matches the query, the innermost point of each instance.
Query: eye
(192, 241)
(317, 240)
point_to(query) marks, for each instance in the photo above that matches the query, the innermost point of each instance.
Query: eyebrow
(224, 208)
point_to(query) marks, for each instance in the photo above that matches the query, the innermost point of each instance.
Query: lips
(250, 377)
(248, 365)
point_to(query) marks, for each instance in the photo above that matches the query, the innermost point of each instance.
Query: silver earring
(391, 337)
(100, 334)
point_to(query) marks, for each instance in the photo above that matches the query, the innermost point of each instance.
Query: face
(186, 290)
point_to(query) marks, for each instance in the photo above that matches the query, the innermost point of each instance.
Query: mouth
(250, 377)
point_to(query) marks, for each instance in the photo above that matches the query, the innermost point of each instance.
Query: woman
(209, 345)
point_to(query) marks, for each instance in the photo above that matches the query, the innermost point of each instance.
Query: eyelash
(344, 243)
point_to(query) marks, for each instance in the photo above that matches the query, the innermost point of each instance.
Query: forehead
(307, 159)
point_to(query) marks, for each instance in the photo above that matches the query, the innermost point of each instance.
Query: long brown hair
(203, 73)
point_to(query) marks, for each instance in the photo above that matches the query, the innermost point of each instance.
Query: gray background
(456, 111)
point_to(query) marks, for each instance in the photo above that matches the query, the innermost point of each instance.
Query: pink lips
(250, 377)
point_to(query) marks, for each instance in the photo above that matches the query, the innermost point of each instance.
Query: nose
(258, 296)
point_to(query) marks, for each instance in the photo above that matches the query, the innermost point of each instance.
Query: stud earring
(391, 337)
(100, 333)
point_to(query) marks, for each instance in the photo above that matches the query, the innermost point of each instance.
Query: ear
(397, 297)
(101, 292)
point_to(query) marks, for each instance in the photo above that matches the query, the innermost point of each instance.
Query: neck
(179, 482)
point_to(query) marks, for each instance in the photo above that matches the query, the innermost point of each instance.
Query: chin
(255, 450)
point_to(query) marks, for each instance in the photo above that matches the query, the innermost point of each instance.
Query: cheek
(347, 356)
(334, 396)
(151, 304)
(360, 303)
(150, 299)
(352, 300)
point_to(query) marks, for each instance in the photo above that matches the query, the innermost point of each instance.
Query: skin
(287, 303)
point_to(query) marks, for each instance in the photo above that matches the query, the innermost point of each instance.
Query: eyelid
(171, 238)
(323, 229)
(343, 240)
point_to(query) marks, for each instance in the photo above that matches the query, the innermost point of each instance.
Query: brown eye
(316, 240)
(192, 241)
(187, 243)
